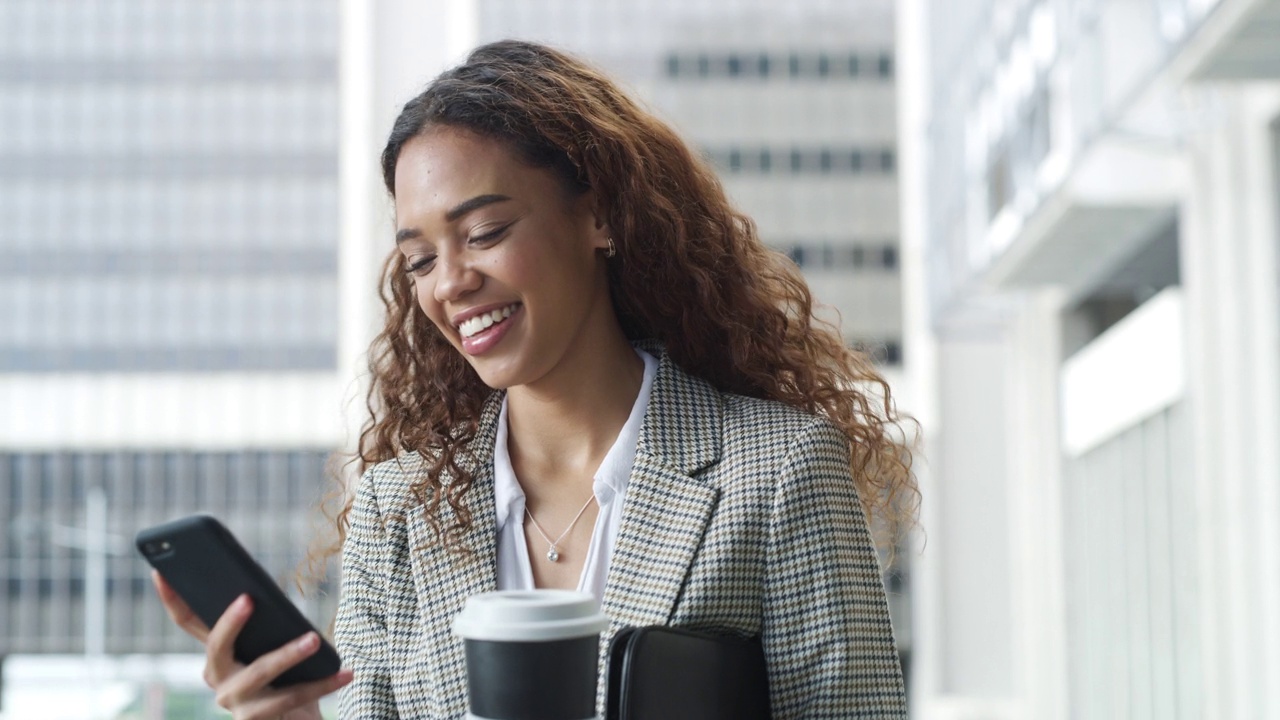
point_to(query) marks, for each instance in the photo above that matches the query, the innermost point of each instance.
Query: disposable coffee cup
(531, 655)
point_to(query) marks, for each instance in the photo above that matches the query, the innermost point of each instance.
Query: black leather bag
(666, 673)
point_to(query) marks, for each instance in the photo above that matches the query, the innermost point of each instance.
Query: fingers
(276, 703)
(220, 644)
(306, 693)
(178, 610)
(245, 690)
(262, 671)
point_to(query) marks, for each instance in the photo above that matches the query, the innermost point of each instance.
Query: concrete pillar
(1229, 251)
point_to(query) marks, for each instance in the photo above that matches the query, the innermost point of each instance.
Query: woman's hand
(244, 689)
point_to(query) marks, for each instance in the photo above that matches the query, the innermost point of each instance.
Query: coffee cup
(531, 655)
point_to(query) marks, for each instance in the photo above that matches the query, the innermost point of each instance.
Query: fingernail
(307, 641)
(242, 603)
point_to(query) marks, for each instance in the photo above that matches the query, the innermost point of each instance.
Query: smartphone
(208, 568)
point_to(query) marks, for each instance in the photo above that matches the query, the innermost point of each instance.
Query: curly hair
(691, 272)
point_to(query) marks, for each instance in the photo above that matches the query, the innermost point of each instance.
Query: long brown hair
(690, 272)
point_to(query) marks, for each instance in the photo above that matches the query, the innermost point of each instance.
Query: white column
(919, 349)
(360, 205)
(1036, 562)
(1230, 277)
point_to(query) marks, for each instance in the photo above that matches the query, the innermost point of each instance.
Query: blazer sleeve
(826, 630)
(361, 630)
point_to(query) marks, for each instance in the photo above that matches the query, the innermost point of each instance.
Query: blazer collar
(682, 425)
(667, 509)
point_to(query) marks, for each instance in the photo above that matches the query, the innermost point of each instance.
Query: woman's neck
(563, 427)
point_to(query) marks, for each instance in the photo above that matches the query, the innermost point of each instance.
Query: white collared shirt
(610, 487)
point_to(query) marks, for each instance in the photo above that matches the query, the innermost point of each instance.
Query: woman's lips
(486, 339)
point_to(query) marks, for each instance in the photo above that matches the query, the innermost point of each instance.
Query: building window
(822, 64)
(844, 255)
(883, 352)
(796, 160)
(999, 180)
(887, 161)
(884, 65)
(734, 65)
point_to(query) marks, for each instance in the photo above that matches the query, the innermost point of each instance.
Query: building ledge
(1238, 42)
(1112, 200)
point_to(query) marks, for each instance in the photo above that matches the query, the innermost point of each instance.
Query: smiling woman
(505, 262)
(593, 375)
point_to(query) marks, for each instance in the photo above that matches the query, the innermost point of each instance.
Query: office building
(169, 249)
(1091, 209)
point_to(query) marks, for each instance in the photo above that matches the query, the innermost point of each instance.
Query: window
(734, 66)
(844, 255)
(884, 65)
(796, 160)
(822, 64)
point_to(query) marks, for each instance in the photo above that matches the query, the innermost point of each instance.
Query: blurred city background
(1055, 223)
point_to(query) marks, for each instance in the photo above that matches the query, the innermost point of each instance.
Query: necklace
(553, 554)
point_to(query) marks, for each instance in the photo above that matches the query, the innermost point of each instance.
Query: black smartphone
(208, 568)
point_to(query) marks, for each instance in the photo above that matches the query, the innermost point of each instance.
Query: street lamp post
(96, 543)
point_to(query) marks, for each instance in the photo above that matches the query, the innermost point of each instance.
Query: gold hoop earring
(611, 250)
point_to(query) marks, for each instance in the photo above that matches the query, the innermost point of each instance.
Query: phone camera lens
(150, 548)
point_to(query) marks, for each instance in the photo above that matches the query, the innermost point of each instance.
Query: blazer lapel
(445, 579)
(666, 510)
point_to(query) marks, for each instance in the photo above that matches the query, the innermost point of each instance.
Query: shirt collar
(506, 489)
(614, 471)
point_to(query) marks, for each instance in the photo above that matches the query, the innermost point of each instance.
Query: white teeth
(483, 322)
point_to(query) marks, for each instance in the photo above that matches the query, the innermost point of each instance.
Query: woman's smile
(481, 332)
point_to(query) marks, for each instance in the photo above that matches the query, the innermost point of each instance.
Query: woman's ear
(597, 215)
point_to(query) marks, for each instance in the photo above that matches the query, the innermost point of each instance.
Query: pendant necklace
(553, 554)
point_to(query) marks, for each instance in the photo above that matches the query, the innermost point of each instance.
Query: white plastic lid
(529, 615)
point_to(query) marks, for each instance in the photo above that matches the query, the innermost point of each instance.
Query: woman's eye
(421, 266)
(489, 236)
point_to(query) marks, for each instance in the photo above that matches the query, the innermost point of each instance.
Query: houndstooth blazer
(740, 515)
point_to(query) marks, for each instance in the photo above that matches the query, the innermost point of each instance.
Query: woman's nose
(455, 277)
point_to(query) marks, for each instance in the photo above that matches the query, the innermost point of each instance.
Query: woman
(594, 375)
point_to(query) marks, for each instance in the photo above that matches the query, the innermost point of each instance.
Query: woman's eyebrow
(474, 203)
(454, 213)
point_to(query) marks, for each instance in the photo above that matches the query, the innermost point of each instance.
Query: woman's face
(503, 258)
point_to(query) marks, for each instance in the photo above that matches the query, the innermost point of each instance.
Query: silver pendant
(552, 555)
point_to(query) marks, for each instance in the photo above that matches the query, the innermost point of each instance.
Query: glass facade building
(168, 214)
(168, 186)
